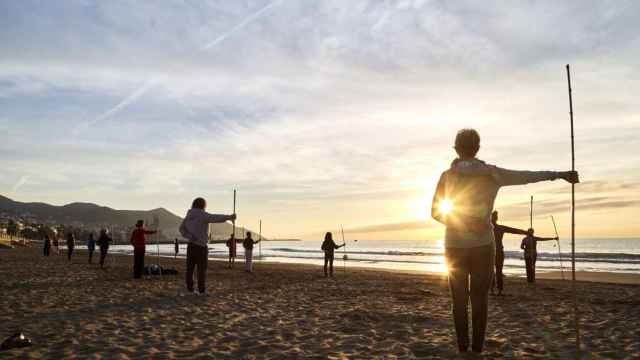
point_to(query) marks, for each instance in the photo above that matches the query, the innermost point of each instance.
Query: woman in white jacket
(195, 228)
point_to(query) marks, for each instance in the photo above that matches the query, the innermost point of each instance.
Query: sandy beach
(75, 310)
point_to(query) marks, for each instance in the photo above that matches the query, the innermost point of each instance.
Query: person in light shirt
(463, 202)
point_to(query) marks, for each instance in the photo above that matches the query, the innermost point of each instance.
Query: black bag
(17, 340)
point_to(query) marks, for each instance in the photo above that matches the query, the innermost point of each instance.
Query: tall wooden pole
(344, 252)
(260, 242)
(576, 317)
(531, 213)
(234, 211)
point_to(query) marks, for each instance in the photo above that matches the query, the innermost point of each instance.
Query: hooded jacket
(472, 187)
(195, 226)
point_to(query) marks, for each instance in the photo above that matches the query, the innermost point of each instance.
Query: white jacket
(195, 226)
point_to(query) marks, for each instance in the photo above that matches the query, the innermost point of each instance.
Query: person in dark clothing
(498, 234)
(47, 245)
(329, 246)
(91, 247)
(463, 202)
(56, 244)
(232, 245)
(103, 243)
(248, 252)
(138, 240)
(176, 248)
(529, 245)
(195, 227)
(71, 244)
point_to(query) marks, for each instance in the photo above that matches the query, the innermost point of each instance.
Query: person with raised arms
(248, 252)
(498, 234)
(139, 241)
(463, 202)
(530, 246)
(329, 247)
(195, 228)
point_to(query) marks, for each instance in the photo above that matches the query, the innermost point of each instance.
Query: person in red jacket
(138, 241)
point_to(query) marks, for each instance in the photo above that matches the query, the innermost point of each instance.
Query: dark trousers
(470, 276)
(69, 252)
(91, 255)
(47, 250)
(498, 278)
(103, 254)
(328, 260)
(530, 262)
(138, 263)
(197, 256)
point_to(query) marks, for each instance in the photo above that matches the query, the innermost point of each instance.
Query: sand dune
(290, 311)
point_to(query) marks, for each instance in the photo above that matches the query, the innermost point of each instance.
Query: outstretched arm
(510, 230)
(506, 177)
(150, 232)
(216, 218)
(545, 239)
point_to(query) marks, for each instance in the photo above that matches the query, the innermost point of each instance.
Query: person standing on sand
(530, 246)
(47, 245)
(91, 247)
(71, 244)
(103, 243)
(463, 202)
(56, 244)
(176, 248)
(195, 228)
(232, 245)
(329, 246)
(138, 240)
(498, 234)
(248, 252)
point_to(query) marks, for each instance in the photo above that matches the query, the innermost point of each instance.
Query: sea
(603, 255)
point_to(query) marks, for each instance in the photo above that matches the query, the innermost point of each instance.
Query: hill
(90, 215)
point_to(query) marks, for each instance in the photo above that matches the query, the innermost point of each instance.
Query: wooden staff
(344, 251)
(559, 251)
(531, 213)
(576, 316)
(260, 241)
(234, 211)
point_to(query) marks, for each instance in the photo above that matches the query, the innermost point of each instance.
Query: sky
(321, 113)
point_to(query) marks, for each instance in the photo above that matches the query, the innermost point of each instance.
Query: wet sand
(75, 310)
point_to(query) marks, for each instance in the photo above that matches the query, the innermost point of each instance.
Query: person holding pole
(138, 241)
(329, 246)
(463, 202)
(498, 234)
(195, 227)
(529, 245)
(248, 252)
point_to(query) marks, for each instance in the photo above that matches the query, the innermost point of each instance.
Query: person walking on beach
(139, 240)
(91, 247)
(71, 244)
(103, 243)
(463, 202)
(176, 248)
(329, 246)
(195, 228)
(47, 245)
(232, 245)
(498, 234)
(248, 252)
(530, 246)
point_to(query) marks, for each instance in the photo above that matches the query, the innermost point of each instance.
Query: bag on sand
(17, 340)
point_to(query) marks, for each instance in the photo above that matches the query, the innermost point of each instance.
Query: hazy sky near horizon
(320, 113)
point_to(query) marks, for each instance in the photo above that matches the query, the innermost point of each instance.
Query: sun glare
(445, 207)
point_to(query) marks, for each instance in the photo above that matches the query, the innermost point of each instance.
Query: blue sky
(321, 113)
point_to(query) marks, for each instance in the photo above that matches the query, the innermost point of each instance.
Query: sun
(445, 206)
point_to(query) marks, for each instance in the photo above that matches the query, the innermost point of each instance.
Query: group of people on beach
(463, 202)
(103, 242)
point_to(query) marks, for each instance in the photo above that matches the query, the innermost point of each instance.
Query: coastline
(75, 310)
